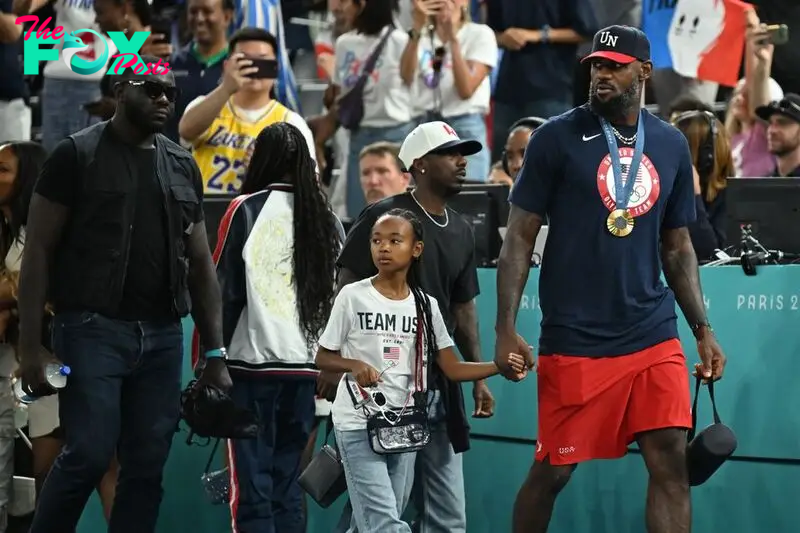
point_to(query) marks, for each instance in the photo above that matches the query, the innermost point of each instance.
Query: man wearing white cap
(435, 157)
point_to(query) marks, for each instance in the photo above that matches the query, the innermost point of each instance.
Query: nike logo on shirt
(585, 138)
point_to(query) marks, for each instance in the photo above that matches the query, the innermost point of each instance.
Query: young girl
(371, 337)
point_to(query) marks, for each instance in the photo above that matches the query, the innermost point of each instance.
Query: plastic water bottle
(55, 376)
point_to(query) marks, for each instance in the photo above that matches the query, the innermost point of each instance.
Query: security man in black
(116, 232)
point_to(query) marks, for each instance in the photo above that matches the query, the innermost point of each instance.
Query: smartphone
(267, 69)
(161, 27)
(778, 33)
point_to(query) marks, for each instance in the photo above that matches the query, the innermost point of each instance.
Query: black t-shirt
(146, 292)
(449, 271)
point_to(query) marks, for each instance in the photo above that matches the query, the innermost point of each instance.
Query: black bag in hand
(324, 479)
(711, 447)
(210, 412)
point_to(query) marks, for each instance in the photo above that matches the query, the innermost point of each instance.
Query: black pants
(122, 397)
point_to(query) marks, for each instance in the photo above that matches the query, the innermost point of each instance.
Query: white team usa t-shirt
(366, 325)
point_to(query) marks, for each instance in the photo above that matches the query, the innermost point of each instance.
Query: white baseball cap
(433, 137)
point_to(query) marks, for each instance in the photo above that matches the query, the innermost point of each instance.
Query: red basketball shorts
(592, 408)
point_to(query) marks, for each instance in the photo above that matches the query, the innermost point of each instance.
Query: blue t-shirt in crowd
(656, 19)
(602, 295)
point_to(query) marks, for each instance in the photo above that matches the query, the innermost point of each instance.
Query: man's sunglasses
(154, 90)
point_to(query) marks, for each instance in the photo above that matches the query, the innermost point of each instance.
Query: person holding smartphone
(222, 126)
(446, 63)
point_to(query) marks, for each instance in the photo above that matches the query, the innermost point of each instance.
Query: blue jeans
(379, 485)
(359, 139)
(438, 485)
(62, 108)
(471, 126)
(506, 114)
(265, 469)
(122, 397)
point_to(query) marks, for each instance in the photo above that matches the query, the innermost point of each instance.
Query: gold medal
(620, 223)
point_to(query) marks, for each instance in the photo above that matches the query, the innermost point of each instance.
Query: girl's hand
(365, 375)
(444, 19)
(519, 368)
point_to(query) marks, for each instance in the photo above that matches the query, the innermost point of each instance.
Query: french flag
(706, 39)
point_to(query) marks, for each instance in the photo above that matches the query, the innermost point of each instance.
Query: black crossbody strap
(211, 457)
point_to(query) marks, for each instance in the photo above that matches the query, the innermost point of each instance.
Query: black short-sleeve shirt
(449, 270)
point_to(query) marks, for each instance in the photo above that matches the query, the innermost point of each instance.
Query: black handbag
(350, 105)
(323, 479)
(711, 447)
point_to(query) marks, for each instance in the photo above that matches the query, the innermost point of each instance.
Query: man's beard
(141, 122)
(618, 106)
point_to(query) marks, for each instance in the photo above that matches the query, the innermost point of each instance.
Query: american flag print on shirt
(391, 355)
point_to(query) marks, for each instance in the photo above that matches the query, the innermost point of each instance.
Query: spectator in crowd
(199, 66)
(381, 172)
(275, 304)
(223, 125)
(751, 155)
(682, 104)
(20, 163)
(15, 115)
(783, 134)
(65, 93)
(124, 257)
(378, 484)
(787, 56)
(338, 23)
(519, 134)
(128, 17)
(499, 175)
(540, 40)
(387, 114)
(710, 148)
(436, 158)
(447, 67)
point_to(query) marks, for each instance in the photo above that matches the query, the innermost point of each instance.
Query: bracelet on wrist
(217, 352)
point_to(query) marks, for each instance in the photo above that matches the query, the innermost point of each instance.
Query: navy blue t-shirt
(602, 295)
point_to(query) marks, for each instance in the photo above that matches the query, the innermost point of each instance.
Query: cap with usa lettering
(620, 44)
(435, 137)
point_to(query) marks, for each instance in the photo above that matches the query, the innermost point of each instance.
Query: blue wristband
(216, 352)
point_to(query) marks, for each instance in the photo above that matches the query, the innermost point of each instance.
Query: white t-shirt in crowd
(366, 325)
(478, 45)
(78, 15)
(386, 98)
(254, 114)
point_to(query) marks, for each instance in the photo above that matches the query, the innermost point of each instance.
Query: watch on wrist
(545, 34)
(414, 34)
(697, 326)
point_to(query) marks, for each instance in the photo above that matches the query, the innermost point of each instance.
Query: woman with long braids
(382, 334)
(275, 256)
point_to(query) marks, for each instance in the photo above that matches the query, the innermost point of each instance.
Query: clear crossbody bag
(400, 430)
(216, 484)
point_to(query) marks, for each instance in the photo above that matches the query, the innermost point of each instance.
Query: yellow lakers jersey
(223, 151)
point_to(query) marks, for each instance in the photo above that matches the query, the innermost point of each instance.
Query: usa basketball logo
(646, 190)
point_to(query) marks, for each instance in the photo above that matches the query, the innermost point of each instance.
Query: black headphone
(705, 155)
(528, 122)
